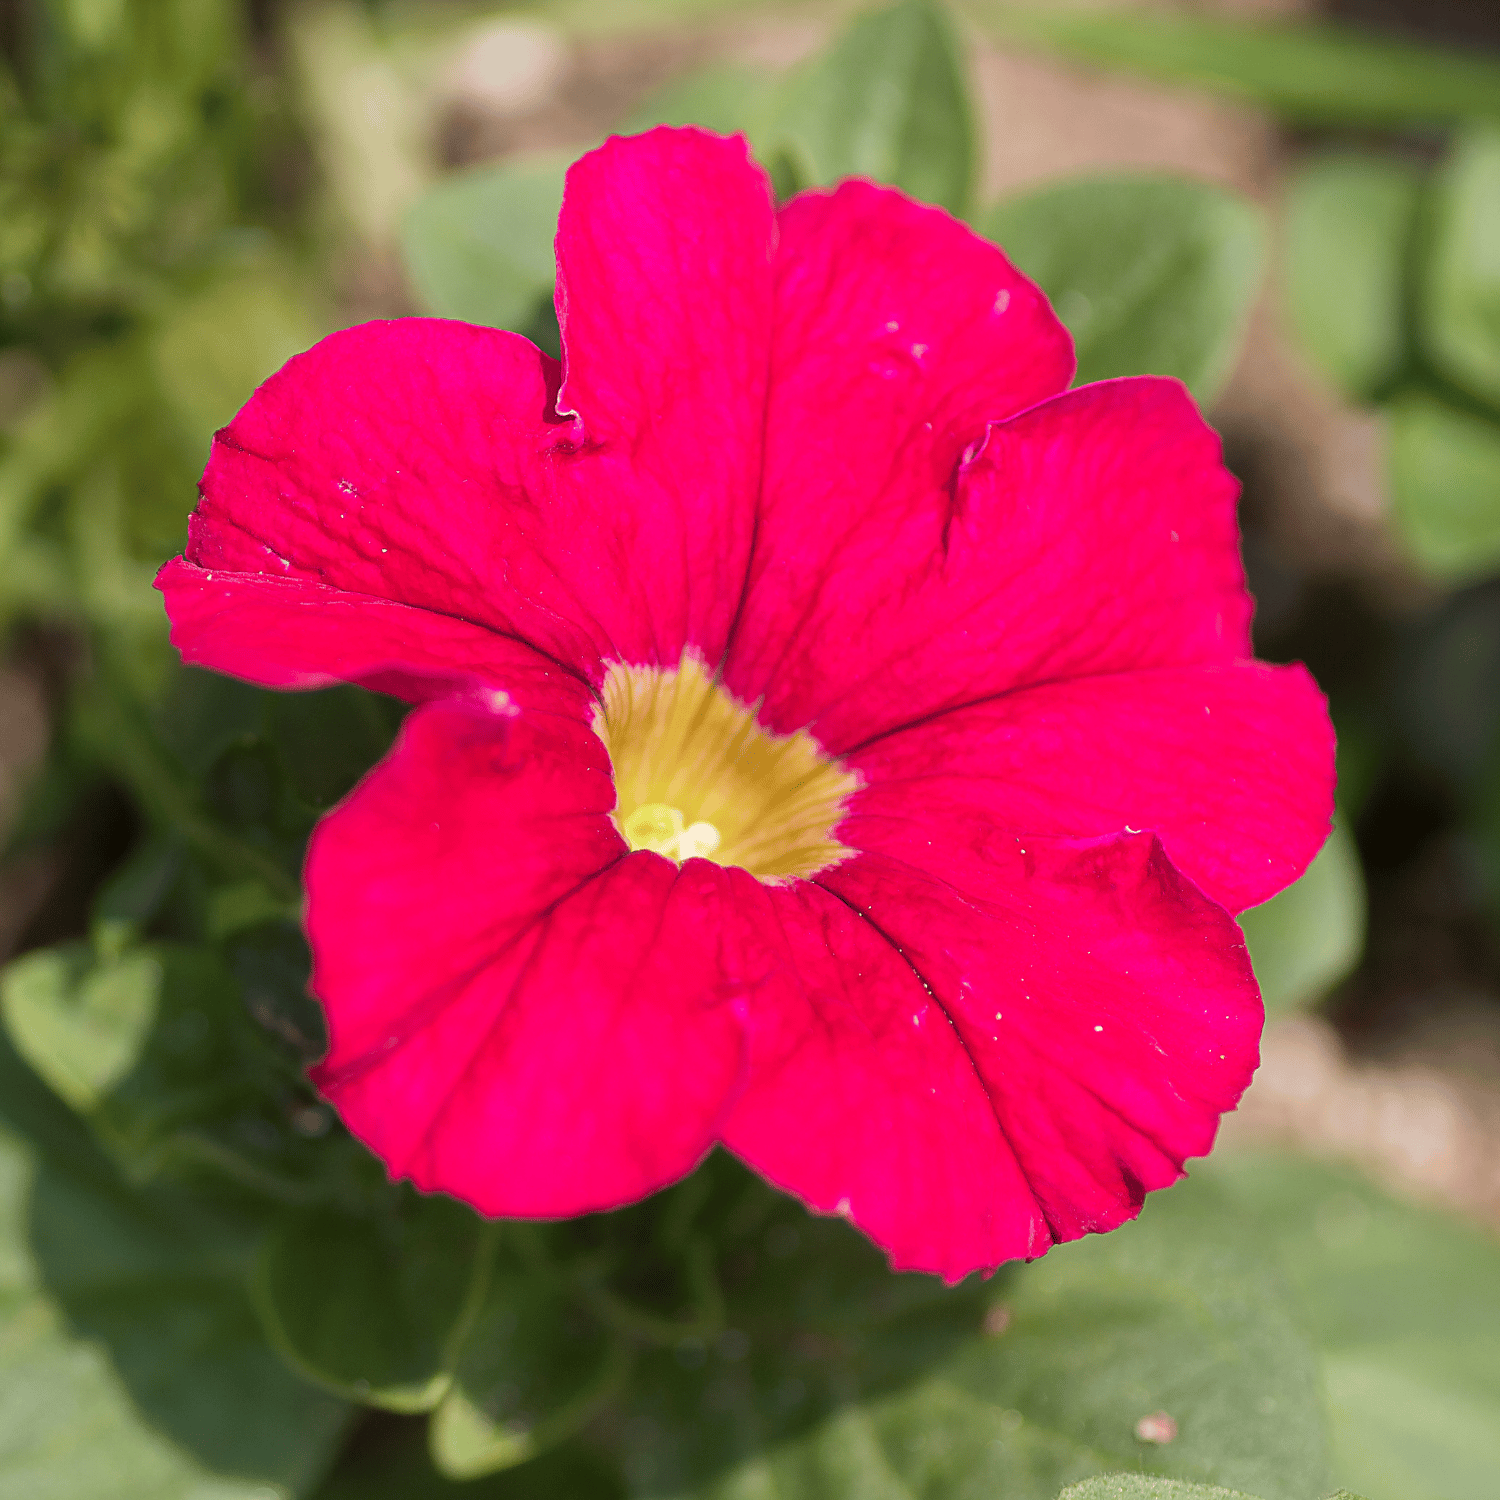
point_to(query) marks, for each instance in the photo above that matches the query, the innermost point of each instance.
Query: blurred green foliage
(1308, 71)
(206, 1285)
(1151, 274)
(143, 293)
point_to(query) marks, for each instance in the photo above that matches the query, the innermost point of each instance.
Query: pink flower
(834, 740)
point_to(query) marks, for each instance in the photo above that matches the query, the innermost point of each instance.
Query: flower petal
(1107, 1005)
(520, 1013)
(1231, 766)
(1092, 534)
(860, 1097)
(424, 462)
(664, 254)
(899, 335)
(292, 633)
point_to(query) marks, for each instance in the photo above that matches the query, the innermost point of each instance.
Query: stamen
(654, 826)
(697, 777)
(659, 828)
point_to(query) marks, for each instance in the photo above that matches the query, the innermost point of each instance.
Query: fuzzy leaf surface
(129, 1354)
(835, 1379)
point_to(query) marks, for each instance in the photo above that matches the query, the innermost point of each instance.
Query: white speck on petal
(1002, 301)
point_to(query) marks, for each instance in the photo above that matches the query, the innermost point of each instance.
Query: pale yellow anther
(659, 828)
(696, 777)
(654, 826)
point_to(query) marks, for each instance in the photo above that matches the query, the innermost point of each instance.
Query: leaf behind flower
(130, 1360)
(1152, 275)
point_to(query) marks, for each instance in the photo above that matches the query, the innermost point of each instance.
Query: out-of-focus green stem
(129, 750)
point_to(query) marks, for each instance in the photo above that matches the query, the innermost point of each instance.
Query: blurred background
(193, 190)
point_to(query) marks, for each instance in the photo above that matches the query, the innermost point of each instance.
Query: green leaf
(1140, 1487)
(1404, 1306)
(534, 1366)
(328, 740)
(213, 349)
(204, 714)
(478, 246)
(725, 99)
(129, 1354)
(80, 1024)
(1445, 486)
(1446, 680)
(136, 892)
(1305, 940)
(156, 1048)
(271, 963)
(202, 1083)
(374, 1306)
(836, 1379)
(1461, 288)
(1349, 227)
(1308, 72)
(888, 100)
(1152, 275)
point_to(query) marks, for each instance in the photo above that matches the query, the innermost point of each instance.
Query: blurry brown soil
(1420, 1111)
(27, 878)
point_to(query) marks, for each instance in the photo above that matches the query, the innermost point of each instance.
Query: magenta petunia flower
(835, 739)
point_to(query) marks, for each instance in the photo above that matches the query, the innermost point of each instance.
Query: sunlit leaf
(1461, 287)
(726, 99)
(80, 1024)
(835, 1379)
(478, 246)
(1145, 1487)
(1305, 940)
(1152, 275)
(1349, 226)
(156, 1047)
(130, 1358)
(212, 350)
(1445, 486)
(1403, 1304)
(889, 101)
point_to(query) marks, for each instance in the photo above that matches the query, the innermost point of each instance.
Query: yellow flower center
(697, 778)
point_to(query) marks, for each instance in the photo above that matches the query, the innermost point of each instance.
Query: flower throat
(697, 777)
